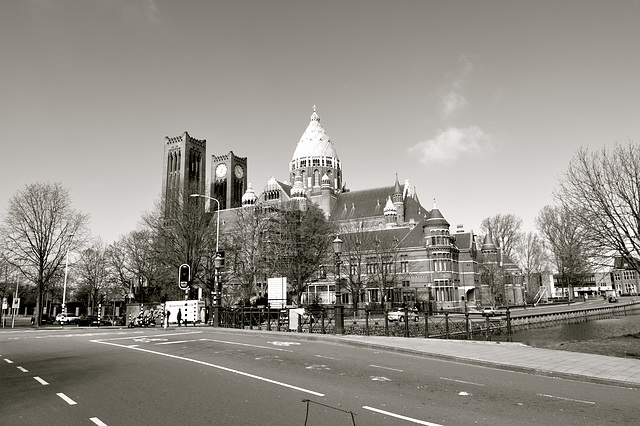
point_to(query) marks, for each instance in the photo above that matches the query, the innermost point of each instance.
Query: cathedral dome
(314, 141)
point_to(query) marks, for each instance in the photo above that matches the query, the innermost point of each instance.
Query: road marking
(24, 370)
(219, 367)
(148, 340)
(566, 399)
(276, 343)
(327, 357)
(461, 381)
(42, 382)
(177, 341)
(66, 399)
(247, 344)
(385, 368)
(98, 421)
(380, 379)
(398, 416)
(8, 361)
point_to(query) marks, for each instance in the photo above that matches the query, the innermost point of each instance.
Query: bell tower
(228, 179)
(183, 169)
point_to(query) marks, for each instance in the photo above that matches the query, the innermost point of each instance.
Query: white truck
(191, 311)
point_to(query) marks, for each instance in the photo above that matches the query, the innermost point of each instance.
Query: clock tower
(228, 179)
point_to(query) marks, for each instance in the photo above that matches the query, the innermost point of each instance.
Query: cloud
(452, 100)
(453, 143)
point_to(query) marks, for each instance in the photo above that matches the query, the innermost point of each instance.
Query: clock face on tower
(221, 170)
(239, 171)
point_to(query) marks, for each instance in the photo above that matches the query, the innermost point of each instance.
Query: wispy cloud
(453, 143)
(452, 99)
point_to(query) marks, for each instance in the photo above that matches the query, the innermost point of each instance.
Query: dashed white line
(98, 421)
(385, 368)
(399, 416)
(461, 381)
(566, 399)
(8, 361)
(66, 399)
(24, 370)
(42, 382)
(326, 357)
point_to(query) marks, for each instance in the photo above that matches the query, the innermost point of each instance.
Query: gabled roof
(369, 203)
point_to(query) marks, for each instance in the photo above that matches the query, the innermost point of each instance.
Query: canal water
(588, 330)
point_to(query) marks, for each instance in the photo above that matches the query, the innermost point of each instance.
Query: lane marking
(177, 341)
(386, 368)
(398, 416)
(42, 382)
(148, 336)
(247, 344)
(327, 357)
(208, 364)
(277, 343)
(66, 399)
(98, 421)
(24, 370)
(461, 381)
(566, 399)
(8, 361)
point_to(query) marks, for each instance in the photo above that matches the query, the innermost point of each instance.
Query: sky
(479, 104)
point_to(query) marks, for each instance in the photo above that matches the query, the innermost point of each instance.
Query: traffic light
(184, 276)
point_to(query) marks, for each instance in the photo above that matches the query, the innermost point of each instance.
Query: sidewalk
(515, 356)
(508, 356)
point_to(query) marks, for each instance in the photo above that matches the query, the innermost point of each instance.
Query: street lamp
(13, 307)
(339, 318)
(217, 264)
(64, 287)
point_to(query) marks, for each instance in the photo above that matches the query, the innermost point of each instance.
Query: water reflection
(589, 330)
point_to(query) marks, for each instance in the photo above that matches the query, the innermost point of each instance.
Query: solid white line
(247, 344)
(177, 341)
(24, 370)
(327, 357)
(42, 382)
(242, 373)
(385, 368)
(8, 361)
(566, 399)
(98, 421)
(398, 416)
(66, 399)
(461, 381)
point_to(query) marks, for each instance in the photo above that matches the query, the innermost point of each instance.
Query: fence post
(386, 323)
(467, 328)
(446, 324)
(366, 322)
(406, 321)
(324, 331)
(426, 325)
(508, 325)
(488, 329)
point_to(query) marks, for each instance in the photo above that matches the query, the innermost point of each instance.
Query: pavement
(504, 355)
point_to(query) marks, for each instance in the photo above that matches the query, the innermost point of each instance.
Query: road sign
(16, 303)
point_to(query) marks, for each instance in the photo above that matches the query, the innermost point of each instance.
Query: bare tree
(602, 188)
(40, 227)
(532, 257)
(245, 241)
(93, 273)
(505, 229)
(300, 240)
(567, 241)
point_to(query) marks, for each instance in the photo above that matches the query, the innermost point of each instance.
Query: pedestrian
(179, 316)
(166, 318)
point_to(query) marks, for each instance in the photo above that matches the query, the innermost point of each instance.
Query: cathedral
(435, 268)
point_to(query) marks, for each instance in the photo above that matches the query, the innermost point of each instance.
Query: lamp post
(339, 317)
(217, 263)
(13, 307)
(64, 287)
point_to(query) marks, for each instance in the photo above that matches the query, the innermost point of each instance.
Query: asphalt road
(192, 376)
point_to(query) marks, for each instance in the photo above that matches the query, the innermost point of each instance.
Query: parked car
(398, 315)
(489, 311)
(92, 321)
(67, 318)
(47, 319)
(612, 299)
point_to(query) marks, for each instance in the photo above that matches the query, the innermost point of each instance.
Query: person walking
(166, 318)
(179, 316)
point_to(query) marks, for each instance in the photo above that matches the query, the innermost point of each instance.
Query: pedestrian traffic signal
(184, 276)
